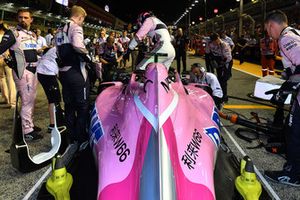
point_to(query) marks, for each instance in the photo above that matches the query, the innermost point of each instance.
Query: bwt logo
(214, 135)
(30, 46)
(214, 132)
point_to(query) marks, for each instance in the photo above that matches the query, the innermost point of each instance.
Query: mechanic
(276, 24)
(222, 57)
(110, 54)
(72, 60)
(22, 43)
(199, 75)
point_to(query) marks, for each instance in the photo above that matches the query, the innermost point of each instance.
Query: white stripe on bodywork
(146, 113)
(167, 183)
(164, 116)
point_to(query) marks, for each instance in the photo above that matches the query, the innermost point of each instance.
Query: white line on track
(37, 184)
(261, 177)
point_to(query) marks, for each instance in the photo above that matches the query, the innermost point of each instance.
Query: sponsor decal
(119, 144)
(214, 135)
(30, 46)
(215, 117)
(214, 132)
(291, 44)
(96, 130)
(191, 153)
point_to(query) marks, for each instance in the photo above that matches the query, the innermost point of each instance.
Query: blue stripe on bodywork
(149, 182)
(96, 130)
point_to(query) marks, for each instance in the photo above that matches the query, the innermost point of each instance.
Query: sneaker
(33, 135)
(37, 129)
(50, 127)
(284, 177)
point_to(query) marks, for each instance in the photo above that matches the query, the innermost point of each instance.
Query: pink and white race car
(154, 138)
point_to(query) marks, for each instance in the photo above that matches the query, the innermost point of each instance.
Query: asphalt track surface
(15, 185)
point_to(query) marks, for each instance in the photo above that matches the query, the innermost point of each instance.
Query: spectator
(41, 41)
(289, 43)
(181, 47)
(49, 37)
(268, 48)
(124, 41)
(7, 84)
(23, 44)
(103, 36)
(199, 75)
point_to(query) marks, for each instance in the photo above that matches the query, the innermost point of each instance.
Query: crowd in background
(256, 48)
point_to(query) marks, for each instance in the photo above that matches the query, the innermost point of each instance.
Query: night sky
(167, 10)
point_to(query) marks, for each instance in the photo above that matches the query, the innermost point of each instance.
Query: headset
(198, 65)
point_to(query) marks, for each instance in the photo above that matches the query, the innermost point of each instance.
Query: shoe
(33, 135)
(50, 127)
(37, 129)
(285, 177)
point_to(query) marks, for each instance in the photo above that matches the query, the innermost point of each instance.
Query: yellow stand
(247, 184)
(60, 182)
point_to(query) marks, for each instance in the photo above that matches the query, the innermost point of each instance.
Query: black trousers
(75, 92)
(51, 87)
(223, 75)
(209, 68)
(292, 132)
(181, 56)
(108, 70)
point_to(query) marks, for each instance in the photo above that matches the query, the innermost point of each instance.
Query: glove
(286, 88)
(286, 73)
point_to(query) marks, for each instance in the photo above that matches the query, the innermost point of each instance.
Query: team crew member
(47, 70)
(72, 56)
(158, 32)
(207, 57)
(199, 75)
(221, 53)
(268, 47)
(108, 56)
(227, 39)
(289, 43)
(181, 45)
(23, 48)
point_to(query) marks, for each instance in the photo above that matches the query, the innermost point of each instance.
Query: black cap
(197, 65)
(214, 36)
